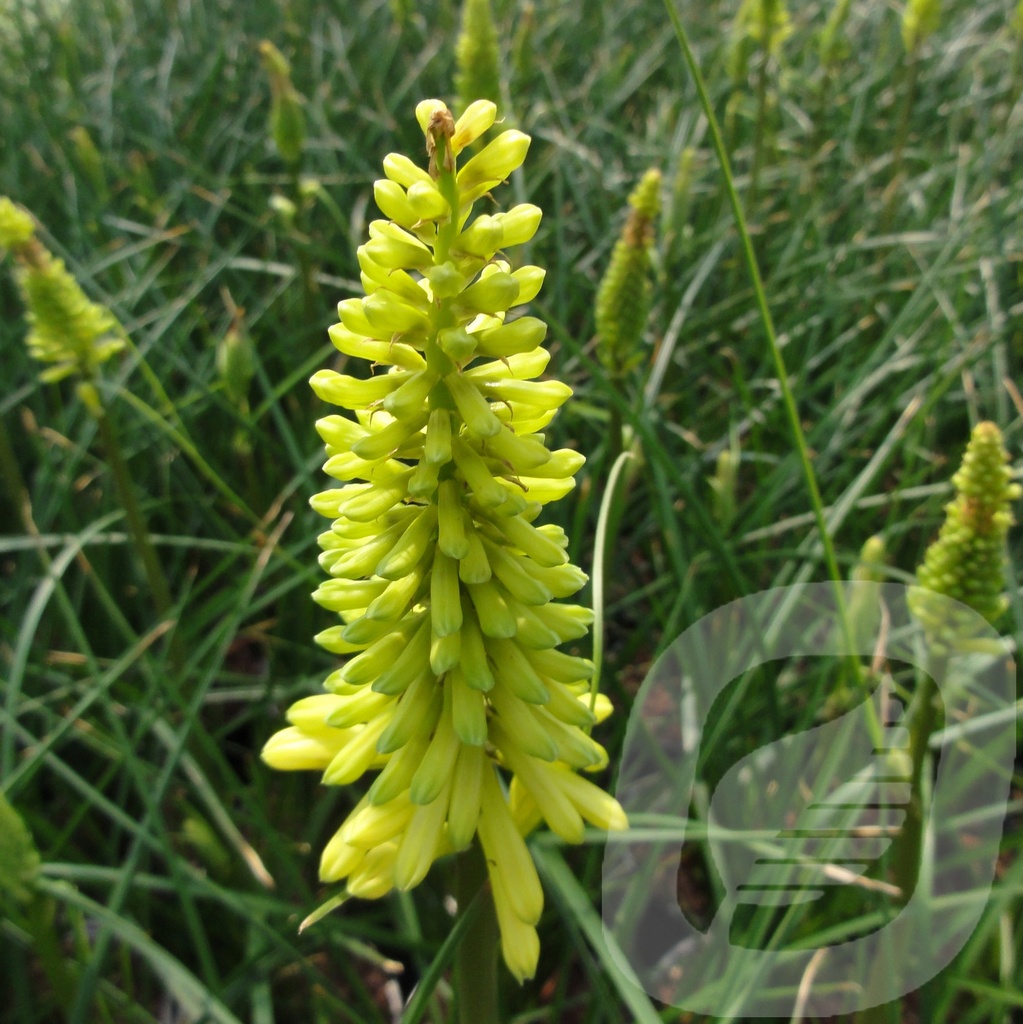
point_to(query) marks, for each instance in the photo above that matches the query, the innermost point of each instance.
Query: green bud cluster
(966, 562)
(920, 20)
(287, 122)
(724, 484)
(623, 297)
(442, 579)
(833, 44)
(89, 159)
(66, 329)
(478, 55)
(759, 25)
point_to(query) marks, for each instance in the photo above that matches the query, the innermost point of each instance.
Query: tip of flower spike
(425, 111)
(645, 197)
(16, 227)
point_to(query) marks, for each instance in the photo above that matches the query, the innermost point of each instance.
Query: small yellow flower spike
(623, 298)
(66, 328)
(444, 583)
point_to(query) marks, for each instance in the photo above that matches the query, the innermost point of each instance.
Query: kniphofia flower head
(443, 579)
(66, 329)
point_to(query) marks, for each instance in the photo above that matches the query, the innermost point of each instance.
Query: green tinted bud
(236, 362)
(530, 281)
(393, 202)
(403, 171)
(623, 298)
(438, 438)
(920, 20)
(457, 343)
(492, 164)
(89, 159)
(723, 483)
(520, 223)
(477, 55)
(445, 280)
(479, 115)
(287, 122)
(483, 238)
(285, 210)
(967, 560)
(427, 202)
(16, 227)
(490, 294)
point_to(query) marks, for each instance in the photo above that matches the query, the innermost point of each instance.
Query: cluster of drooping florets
(441, 580)
(66, 329)
(966, 562)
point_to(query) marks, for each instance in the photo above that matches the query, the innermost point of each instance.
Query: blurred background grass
(884, 199)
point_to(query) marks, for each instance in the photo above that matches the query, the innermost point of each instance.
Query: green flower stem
(759, 132)
(921, 725)
(609, 517)
(788, 399)
(136, 523)
(17, 492)
(46, 944)
(476, 958)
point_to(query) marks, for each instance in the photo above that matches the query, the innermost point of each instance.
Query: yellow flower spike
(442, 577)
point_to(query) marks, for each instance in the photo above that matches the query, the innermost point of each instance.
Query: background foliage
(884, 197)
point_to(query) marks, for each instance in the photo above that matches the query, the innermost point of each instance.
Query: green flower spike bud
(66, 329)
(724, 483)
(443, 581)
(287, 122)
(862, 605)
(832, 44)
(89, 159)
(478, 55)
(759, 25)
(236, 361)
(967, 560)
(920, 20)
(623, 298)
